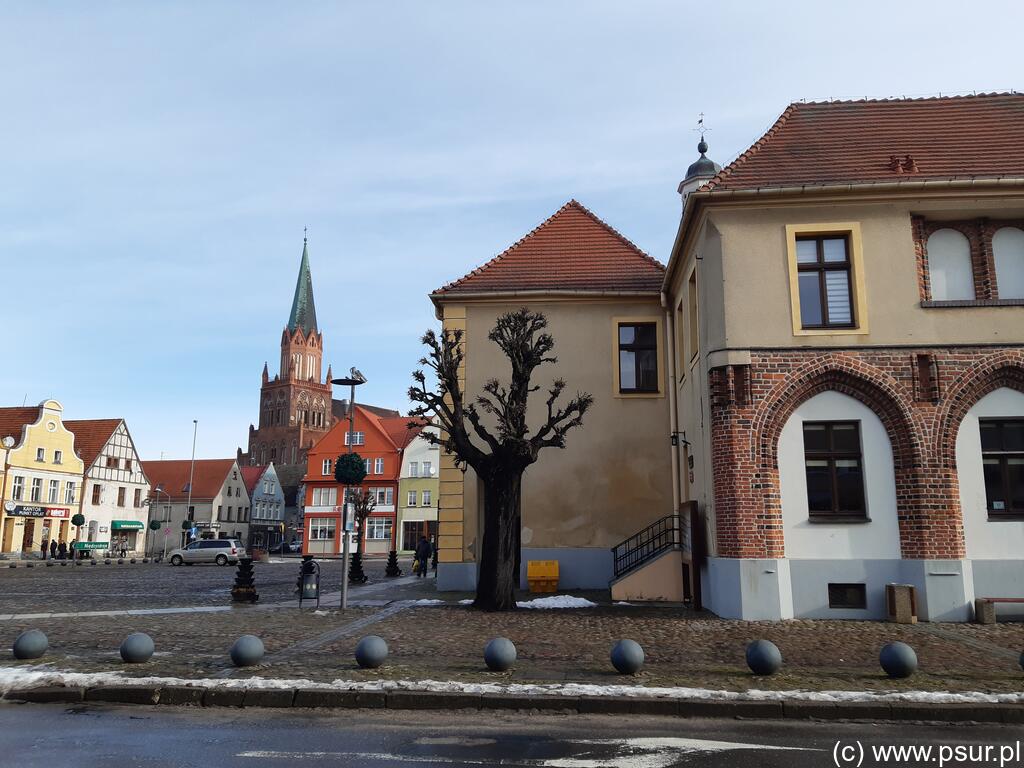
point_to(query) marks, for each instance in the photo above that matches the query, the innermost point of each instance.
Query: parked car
(219, 551)
(295, 546)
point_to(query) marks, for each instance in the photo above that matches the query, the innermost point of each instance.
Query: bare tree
(499, 455)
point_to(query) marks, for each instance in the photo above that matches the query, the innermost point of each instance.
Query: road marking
(652, 752)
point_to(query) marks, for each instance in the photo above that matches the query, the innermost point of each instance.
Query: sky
(158, 162)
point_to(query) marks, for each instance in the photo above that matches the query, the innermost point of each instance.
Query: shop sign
(26, 511)
(59, 512)
(92, 545)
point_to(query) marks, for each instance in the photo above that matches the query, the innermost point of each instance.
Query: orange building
(379, 437)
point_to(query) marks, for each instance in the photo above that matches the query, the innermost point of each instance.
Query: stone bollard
(627, 657)
(247, 651)
(31, 644)
(137, 648)
(898, 660)
(764, 657)
(500, 654)
(371, 652)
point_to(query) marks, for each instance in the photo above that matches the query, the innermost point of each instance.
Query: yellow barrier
(542, 575)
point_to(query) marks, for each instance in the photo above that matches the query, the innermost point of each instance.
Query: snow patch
(467, 601)
(557, 601)
(430, 601)
(24, 677)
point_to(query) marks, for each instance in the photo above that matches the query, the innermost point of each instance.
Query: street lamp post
(165, 493)
(191, 474)
(354, 379)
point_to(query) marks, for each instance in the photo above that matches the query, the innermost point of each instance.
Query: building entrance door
(27, 536)
(7, 543)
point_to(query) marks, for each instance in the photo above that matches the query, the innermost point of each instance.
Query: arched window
(949, 266)
(1008, 250)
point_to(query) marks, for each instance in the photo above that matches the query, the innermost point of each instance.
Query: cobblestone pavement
(445, 642)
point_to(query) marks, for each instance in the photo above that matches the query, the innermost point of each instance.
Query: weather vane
(305, 230)
(701, 127)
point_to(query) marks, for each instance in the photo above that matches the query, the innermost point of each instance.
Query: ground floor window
(1002, 458)
(378, 528)
(835, 473)
(412, 530)
(322, 529)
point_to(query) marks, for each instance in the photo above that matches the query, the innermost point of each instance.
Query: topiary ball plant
(350, 469)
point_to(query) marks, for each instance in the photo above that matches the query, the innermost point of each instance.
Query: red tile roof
(13, 419)
(171, 477)
(398, 429)
(572, 250)
(251, 475)
(90, 437)
(960, 137)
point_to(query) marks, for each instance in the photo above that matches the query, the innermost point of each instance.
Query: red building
(379, 437)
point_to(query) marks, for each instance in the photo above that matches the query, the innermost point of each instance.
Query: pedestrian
(53, 550)
(62, 551)
(422, 557)
(71, 549)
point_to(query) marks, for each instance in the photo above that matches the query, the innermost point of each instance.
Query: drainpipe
(672, 405)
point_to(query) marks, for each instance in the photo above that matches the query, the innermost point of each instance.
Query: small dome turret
(703, 167)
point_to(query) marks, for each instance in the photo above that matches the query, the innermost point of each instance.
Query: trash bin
(542, 575)
(901, 603)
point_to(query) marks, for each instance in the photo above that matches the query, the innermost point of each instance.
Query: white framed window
(40, 454)
(325, 497)
(949, 266)
(58, 457)
(368, 463)
(414, 469)
(54, 492)
(378, 528)
(355, 438)
(1008, 252)
(426, 498)
(411, 502)
(326, 470)
(322, 529)
(383, 496)
(427, 469)
(69, 493)
(37, 490)
(18, 491)
(378, 466)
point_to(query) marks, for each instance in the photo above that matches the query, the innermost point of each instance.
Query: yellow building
(41, 480)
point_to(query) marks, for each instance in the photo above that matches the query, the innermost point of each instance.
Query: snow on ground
(557, 601)
(431, 601)
(23, 677)
(467, 601)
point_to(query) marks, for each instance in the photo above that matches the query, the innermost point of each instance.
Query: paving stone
(124, 694)
(269, 697)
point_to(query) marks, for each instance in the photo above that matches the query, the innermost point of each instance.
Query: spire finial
(305, 231)
(702, 146)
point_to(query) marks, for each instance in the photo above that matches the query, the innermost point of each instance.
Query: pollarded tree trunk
(499, 558)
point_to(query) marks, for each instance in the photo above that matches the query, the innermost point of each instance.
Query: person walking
(71, 549)
(62, 551)
(422, 557)
(53, 550)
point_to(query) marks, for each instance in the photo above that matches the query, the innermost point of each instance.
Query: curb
(325, 698)
(89, 561)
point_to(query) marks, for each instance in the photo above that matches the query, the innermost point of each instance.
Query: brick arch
(871, 386)
(995, 371)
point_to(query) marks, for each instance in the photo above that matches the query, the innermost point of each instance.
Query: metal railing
(641, 547)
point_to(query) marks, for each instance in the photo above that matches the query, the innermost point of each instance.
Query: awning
(126, 525)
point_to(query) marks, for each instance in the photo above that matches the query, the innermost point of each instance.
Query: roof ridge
(753, 149)
(904, 99)
(571, 203)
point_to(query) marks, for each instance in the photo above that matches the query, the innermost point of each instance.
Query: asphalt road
(51, 735)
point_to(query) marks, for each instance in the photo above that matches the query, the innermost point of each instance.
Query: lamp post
(8, 443)
(354, 379)
(158, 489)
(191, 472)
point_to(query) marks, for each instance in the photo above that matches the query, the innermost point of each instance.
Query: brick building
(845, 308)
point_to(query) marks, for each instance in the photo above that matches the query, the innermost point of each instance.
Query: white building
(115, 487)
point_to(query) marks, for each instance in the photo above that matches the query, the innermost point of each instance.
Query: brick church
(296, 407)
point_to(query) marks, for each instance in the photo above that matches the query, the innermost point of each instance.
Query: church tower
(295, 405)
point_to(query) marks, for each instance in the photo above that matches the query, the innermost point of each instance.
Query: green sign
(126, 525)
(92, 544)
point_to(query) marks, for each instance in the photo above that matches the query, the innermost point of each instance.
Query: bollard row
(898, 660)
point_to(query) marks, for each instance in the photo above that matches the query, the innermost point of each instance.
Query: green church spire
(303, 309)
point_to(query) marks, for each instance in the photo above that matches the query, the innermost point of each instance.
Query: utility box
(901, 603)
(542, 575)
